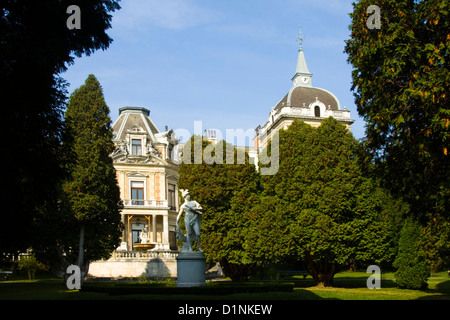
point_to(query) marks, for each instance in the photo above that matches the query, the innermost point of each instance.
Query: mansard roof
(136, 120)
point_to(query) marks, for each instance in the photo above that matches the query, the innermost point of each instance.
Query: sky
(224, 63)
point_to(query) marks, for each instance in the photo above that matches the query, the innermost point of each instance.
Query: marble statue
(144, 235)
(192, 221)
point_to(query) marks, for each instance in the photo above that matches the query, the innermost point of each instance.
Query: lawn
(347, 286)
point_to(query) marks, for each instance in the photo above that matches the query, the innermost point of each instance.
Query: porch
(147, 230)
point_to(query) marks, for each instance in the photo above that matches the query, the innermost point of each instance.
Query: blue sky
(225, 63)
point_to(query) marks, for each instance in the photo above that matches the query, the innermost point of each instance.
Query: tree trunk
(322, 271)
(84, 265)
(59, 266)
(80, 259)
(238, 272)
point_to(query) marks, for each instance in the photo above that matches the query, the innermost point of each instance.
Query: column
(165, 239)
(154, 227)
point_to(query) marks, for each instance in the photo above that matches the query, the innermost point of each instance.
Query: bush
(31, 264)
(412, 269)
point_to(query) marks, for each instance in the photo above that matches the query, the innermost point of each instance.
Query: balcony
(131, 203)
(133, 255)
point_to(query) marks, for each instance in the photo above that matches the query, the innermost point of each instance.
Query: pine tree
(92, 189)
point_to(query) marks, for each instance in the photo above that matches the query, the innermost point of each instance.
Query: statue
(121, 148)
(151, 150)
(192, 221)
(144, 235)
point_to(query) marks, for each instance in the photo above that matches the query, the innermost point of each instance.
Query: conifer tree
(319, 206)
(92, 190)
(227, 189)
(412, 268)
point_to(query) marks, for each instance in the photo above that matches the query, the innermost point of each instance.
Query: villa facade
(147, 175)
(147, 162)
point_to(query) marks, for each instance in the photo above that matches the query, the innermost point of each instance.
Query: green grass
(347, 286)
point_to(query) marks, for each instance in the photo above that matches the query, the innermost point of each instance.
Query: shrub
(412, 269)
(31, 264)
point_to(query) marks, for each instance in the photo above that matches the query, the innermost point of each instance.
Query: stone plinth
(135, 264)
(191, 268)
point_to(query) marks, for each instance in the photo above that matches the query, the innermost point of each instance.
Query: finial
(300, 38)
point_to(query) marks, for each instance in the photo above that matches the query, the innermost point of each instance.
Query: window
(136, 147)
(135, 235)
(137, 193)
(317, 111)
(171, 197)
(136, 230)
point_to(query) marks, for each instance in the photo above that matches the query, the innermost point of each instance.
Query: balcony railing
(130, 255)
(145, 203)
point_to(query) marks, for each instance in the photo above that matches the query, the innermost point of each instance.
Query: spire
(302, 75)
(300, 38)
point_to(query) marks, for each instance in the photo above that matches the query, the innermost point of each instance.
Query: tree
(412, 268)
(31, 265)
(434, 244)
(92, 190)
(401, 79)
(36, 47)
(319, 206)
(227, 190)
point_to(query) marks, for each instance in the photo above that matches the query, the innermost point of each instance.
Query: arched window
(317, 111)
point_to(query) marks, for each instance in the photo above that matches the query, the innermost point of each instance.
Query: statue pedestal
(191, 268)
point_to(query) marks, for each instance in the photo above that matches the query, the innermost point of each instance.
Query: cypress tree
(412, 269)
(92, 190)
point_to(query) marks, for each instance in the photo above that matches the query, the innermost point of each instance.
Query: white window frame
(143, 139)
(136, 179)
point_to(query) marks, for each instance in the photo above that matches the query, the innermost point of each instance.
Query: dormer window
(317, 111)
(136, 147)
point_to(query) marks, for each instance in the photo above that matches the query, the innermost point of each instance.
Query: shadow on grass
(32, 290)
(361, 282)
(139, 291)
(343, 282)
(440, 291)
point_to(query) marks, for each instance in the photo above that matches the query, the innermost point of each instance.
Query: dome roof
(302, 97)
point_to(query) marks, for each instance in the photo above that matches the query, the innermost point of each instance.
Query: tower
(302, 76)
(304, 102)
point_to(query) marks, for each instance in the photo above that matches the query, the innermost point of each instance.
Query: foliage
(435, 244)
(319, 205)
(36, 46)
(92, 190)
(401, 79)
(413, 270)
(226, 190)
(31, 265)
